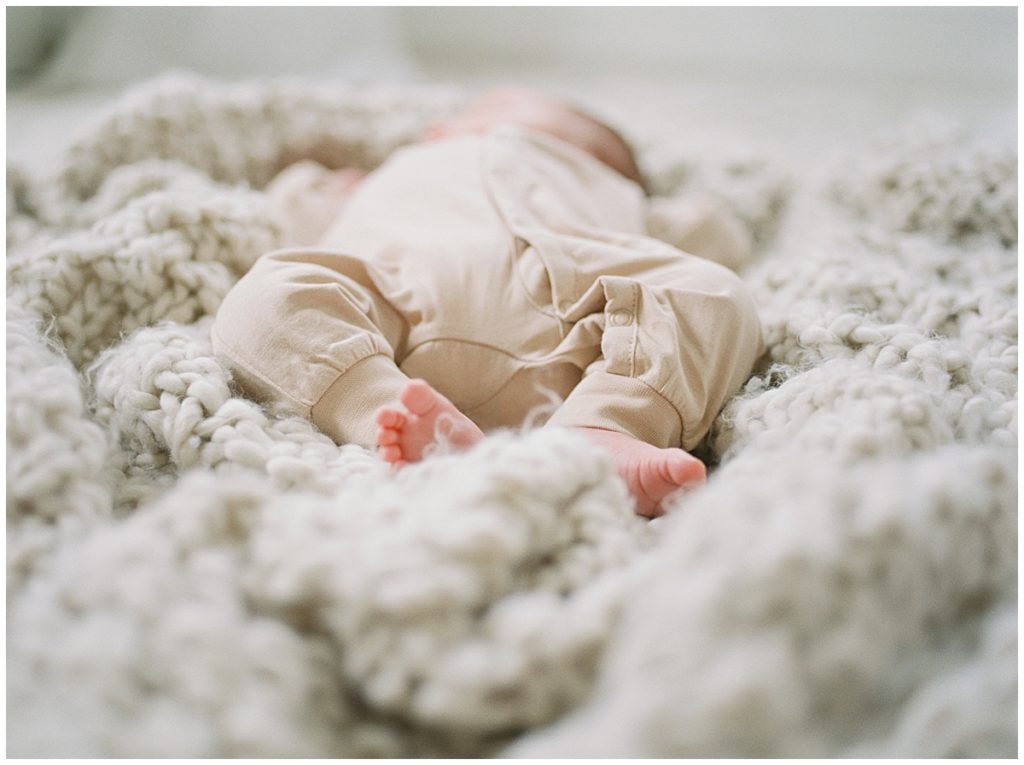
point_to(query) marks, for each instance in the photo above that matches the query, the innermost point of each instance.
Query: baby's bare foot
(424, 418)
(650, 473)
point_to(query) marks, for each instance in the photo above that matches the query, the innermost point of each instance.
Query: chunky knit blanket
(189, 575)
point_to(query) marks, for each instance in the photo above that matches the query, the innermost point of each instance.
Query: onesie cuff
(347, 412)
(623, 404)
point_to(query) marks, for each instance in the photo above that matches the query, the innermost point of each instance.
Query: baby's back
(424, 201)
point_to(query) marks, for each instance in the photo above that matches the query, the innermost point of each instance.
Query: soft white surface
(190, 577)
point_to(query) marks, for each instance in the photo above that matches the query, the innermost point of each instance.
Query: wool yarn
(193, 575)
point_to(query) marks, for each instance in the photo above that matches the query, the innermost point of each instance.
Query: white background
(798, 75)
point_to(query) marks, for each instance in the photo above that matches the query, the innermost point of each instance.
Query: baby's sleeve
(700, 225)
(305, 333)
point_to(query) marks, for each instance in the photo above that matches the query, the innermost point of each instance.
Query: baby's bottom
(423, 419)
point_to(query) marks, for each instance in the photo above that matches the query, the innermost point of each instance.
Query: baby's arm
(700, 225)
(306, 198)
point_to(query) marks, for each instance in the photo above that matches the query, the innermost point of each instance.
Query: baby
(507, 260)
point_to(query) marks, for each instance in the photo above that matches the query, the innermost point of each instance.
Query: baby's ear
(701, 225)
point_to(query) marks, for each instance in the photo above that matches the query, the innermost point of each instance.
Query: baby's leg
(422, 419)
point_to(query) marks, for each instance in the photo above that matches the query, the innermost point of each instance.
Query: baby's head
(534, 110)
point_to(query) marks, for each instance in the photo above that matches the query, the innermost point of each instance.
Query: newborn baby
(507, 261)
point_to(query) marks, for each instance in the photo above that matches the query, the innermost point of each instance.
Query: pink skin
(424, 418)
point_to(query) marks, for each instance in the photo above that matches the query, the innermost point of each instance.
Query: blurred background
(793, 75)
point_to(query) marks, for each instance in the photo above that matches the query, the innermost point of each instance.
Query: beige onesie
(508, 270)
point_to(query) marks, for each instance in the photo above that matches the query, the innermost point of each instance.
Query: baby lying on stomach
(505, 260)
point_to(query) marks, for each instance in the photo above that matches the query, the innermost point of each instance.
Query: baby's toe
(387, 436)
(683, 470)
(389, 417)
(418, 397)
(391, 453)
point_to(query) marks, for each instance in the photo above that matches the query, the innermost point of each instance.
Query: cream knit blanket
(189, 576)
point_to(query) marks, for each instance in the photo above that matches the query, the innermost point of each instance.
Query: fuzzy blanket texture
(191, 576)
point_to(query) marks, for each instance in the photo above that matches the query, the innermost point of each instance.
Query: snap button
(621, 318)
